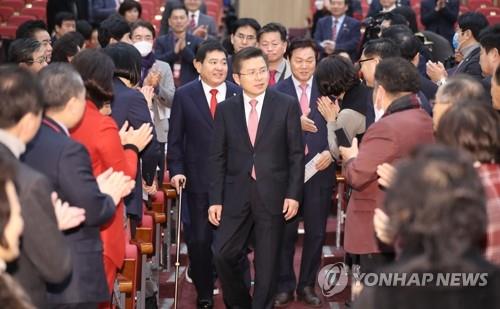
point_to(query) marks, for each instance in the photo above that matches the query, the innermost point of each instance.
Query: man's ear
(236, 78)
(197, 65)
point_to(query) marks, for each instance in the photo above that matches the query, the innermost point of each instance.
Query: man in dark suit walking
(257, 175)
(67, 165)
(178, 47)
(339, 31)
(190, 134)
(301, 85)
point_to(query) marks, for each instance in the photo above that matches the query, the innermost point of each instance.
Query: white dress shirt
(248, 107)
(221, 92)
(297, 84)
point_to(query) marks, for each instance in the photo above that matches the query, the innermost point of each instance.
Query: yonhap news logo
(333, 279)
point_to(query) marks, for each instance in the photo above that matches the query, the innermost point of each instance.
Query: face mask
(455, 43)
(144, 47)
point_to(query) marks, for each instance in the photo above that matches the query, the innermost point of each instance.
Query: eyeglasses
(360, 63)
(39, 60)
(242, 37)
(255, 73)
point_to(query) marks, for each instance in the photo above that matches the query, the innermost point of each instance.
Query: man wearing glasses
(28, 53)
(245, 35)
(257, 175)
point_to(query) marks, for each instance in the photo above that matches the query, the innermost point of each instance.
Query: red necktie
(192, 22)
(253, 122)
(213, 101)
(272, 77)
(334, 30)
(304, 106)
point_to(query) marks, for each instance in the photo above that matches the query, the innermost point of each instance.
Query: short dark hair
(473, 126)
(96, 69)
(127, 60)
(112, 27)
(243, 22)
(177, 6)
(62, 17)
(490, 38)
(20, 94)
(335, 75)
(395, 19)
(67, 46)
(273, 27)
(383, 48)
(245, 54)
(408, 44)
(128, 5)
(301, 43)
(21, 50)
(84, 28)
(473, 21)
(438, 207)
(206, 47)
(29, 28)
(144, 24)
(60, 82)
(397, 75)
(409, 14)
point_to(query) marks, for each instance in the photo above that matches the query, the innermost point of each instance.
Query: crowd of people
(254, 126)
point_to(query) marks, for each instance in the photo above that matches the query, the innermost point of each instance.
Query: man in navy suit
(317, 190)
(384, 6)
(178, 47)
(201, 25)
(67, 165)
(257, 173)
(102, 9)
(339, 31)
(189, 137)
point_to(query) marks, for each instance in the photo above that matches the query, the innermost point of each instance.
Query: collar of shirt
(468, 50)
(15, 145)
(62, 126)
(339, 20)
(196, 17)
(296, 83)
(280, 70)
(248, 107)
(221, 92)
(389, 9)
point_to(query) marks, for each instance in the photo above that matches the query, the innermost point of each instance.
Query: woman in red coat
(108, 147)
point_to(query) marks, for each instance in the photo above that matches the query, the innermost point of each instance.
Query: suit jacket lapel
(266, 116)
(230, 92)
(314, 98)
(201, 102)
(241, 117)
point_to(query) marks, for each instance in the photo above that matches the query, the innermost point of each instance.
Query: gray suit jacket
(208, 21)
(163, 101)
(44, 257)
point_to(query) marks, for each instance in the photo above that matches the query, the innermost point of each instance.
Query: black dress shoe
(283, 299)
(309, 297)
(205, 304)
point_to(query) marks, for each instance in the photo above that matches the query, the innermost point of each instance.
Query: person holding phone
(343, 104)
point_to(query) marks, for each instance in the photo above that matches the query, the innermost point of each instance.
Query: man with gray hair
(458, 87)
(67, 165)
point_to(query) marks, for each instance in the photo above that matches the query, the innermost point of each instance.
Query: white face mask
(144, 47)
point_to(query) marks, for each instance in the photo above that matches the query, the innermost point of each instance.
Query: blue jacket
(348, 36)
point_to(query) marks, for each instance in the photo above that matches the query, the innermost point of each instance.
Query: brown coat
(388, 140)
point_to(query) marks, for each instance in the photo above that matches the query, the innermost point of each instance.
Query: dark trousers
(75, 306)
(199, 245)
(314, 209)
(230, 243)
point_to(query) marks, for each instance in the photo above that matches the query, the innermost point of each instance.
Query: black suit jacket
(44, 256)
(130, 105)
(190, 134)
(278, 154)
(67, 165)
(441, 22)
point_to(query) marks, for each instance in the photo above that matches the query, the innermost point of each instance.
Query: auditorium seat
(5, 13)
(19, 19)
(489, 11)
(8, 32)
(493, 19)
(17, 5)
(476, 4)
(38, 12)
